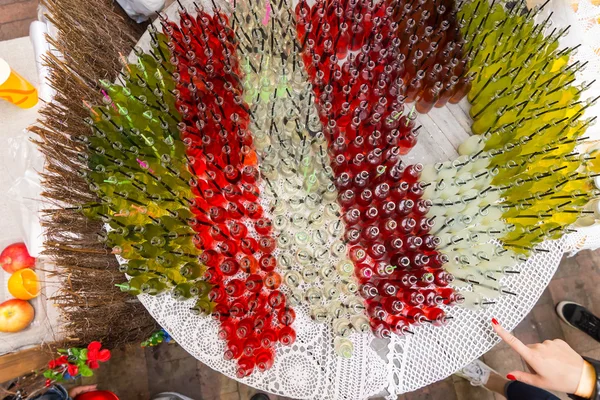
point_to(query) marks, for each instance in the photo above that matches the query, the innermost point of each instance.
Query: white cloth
(141, 10)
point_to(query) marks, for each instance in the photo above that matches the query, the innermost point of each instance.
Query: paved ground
(15, 17)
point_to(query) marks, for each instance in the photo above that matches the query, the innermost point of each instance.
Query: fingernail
(494, 321)
(511, 377)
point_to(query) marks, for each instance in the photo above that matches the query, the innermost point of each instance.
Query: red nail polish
(511, 377)
(494, 321)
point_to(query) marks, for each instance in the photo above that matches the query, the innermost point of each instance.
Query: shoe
(477, 373)
(259, 396)
(170, 396)
(579, 317)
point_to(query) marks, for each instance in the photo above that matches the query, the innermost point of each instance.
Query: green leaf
(83, 354)
(74, 351)
(48, 374)
(62, 351)
(84, 370)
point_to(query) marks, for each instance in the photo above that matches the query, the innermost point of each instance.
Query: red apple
(16, 257)
(15, 315)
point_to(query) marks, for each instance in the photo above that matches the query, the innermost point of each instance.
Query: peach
(15, 315)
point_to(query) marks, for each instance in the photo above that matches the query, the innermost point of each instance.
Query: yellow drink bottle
(16, 89)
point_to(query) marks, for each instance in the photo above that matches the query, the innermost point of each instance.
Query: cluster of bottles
(401, 273)
(361, 107)
(376, 55)
(522, 80)
(233, 230)
(468, 214)
(523, 180)
(254, 166)
(295, 166)
(135, 167)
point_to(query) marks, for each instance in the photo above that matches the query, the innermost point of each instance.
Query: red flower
(52, 364)
(94, 346)
(73, 370)
(93, 364)
(96, 354)
(104, 355)
(94, 351)
(48, 383)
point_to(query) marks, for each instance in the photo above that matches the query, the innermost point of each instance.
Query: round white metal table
(310, 369)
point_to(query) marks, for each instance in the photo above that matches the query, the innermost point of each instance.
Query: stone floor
(137, 374)
(15, 17)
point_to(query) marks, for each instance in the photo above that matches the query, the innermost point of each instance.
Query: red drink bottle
(268, 337)
(399, 190)
(267, 262)
(235, 210)
(399, 325)
(389, 289)
(447, 92)
(436, 316)
(429, 98)
(264, 359)
(414, 315)
(416, 191)
(400, 261)
(363, 272)
(462, 88)
(376, 310)
(287, 336)
(392, 305)
(412, 298)
(263, 226)
(287, 316)
(235, 288)
(387, 208)
(450, 296)
(412, 173)
(381, 329)
(245, 366)
(227, 330)
(404, 208)
(425, 278)
(276, 299)
(437, 261)
(234, 349)
(249, 245)
(432, 298)
(251, 344)
(237, 308)
(248, 264)
(254, 210)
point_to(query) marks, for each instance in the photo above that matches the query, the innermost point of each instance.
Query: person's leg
(521, 391)
(496, 383)
(579, 317)
(480, 374)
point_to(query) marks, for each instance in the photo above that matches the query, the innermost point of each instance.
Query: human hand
(76, 391)
(555, 365)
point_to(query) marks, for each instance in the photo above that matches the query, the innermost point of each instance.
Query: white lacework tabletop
(310, 369)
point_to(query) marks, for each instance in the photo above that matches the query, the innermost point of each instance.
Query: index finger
(511, 340)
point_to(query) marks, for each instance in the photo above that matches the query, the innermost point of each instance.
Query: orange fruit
(24, 284)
